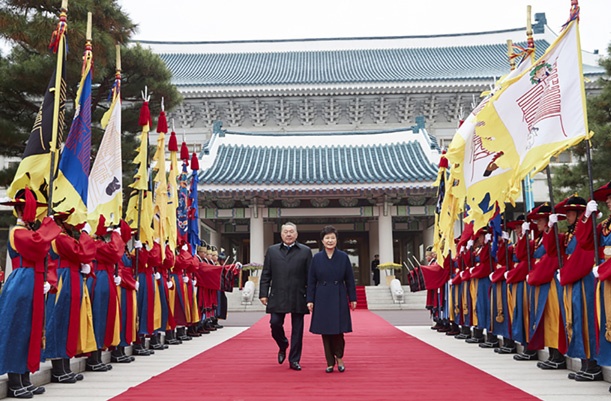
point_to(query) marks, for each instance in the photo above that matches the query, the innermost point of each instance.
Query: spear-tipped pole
(512, 63)
(145, 98)
(555, 227)
(591, 183)
(529, 33)
(61, 29)
(118, 58)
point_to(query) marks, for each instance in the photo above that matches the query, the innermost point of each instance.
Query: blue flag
(193, 214)
(72, 183)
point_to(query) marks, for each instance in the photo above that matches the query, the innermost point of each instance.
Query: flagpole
(512, 63)
(140, 194)
(61, 28)
(526, 184)
(555, 227)
(591, 183)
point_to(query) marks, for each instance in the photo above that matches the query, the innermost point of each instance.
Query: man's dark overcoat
(284, 278)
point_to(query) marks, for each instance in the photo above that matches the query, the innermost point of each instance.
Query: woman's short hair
(328, 230)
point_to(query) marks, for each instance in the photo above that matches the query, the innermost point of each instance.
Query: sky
(197, 20)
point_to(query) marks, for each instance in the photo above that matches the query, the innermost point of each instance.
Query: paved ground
(549, 386)
(394, 317)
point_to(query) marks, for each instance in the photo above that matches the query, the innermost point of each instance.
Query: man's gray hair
(288, 224)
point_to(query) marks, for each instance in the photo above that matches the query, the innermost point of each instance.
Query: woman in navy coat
(330, 287)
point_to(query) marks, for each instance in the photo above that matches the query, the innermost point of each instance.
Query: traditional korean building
(342, 131)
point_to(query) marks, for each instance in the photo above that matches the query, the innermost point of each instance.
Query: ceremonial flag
(193, 208)
(72, 182)
(139, 213)
(172, 192)
(477, 175)
(34, 170)
(160, 183)
(183, 196)
(105, 195)
(542, 112)
(140, 210)
(439, 240)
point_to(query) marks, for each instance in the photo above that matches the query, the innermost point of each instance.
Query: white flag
(105, 180)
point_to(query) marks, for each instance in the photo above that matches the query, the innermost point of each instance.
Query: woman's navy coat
(331, 287)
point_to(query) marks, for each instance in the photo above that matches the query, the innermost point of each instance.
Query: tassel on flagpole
(60, 31)
(194, 162)
(145, 114)
(173, 143)
(162, 123)
(184, 152)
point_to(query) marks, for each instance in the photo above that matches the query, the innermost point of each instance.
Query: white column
(257, 236)
(374, 244)
(385, 240)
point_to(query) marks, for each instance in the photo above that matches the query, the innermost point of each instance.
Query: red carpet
(361, 297)
(382, 363)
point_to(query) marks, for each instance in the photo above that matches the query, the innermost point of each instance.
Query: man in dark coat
(282, 290)
(374, 269)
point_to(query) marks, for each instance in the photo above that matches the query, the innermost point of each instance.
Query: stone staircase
(378, 298)
(234, 302)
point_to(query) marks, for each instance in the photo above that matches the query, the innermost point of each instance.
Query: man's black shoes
(281, 356)
(295, 366)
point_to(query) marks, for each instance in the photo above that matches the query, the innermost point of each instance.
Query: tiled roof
(336, 164)
(341, 66)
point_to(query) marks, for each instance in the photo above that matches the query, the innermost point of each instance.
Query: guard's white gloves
(46, 287)
(137, 285)
(157, 276)
(117, 280)
(185, 279)
(595, 271)
(505, 235)
(487, 238)
(591, 207)
(138, 244)
(85, 268)
(194, 283)
(469, 244)
(553, 219)
(185, 247)
(238, 265)
(86, 228)
(506, 274)
(170, 284)
(525, 227)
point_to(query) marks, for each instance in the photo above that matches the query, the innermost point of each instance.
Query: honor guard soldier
(21, 334)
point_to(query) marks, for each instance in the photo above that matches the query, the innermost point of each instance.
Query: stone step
(378, 298)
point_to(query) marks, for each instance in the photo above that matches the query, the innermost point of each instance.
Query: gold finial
(89, 19)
